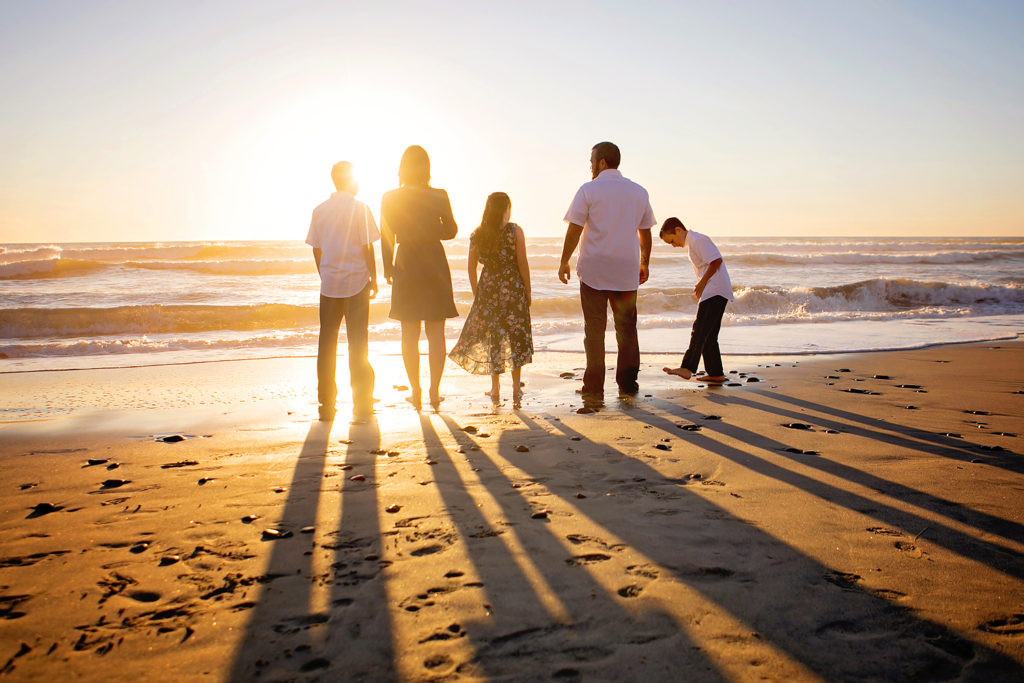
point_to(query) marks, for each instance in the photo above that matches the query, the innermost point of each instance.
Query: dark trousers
(595, 304)
(704, 337)
(356, 312)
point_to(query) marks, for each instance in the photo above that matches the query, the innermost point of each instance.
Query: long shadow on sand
(549, 618)
(898, 435)
(989, 523)
(821, 617)
(991, 554)
(287, 635)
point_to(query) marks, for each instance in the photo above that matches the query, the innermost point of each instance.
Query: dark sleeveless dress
(417, 218)
(497, 334)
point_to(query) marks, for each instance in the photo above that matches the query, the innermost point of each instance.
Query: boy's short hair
(341, 174)
(670, 225)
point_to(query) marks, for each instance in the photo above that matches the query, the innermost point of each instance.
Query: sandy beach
(853, 517)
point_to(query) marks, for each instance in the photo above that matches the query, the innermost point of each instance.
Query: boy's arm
(371, 264)
(712, 269)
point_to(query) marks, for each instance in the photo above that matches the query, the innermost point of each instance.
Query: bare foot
(678, 372)
(435, 400)
(415, 399)
(717, 379)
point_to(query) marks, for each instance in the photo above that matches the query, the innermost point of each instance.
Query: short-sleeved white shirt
(342, 226)
(702, 252)
(611, 209)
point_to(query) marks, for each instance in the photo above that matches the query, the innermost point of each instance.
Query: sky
(140, 121)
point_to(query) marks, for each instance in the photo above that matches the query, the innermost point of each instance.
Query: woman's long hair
(414, 168)
(492, 221)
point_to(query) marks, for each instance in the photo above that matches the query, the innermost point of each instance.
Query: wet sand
(855, 517)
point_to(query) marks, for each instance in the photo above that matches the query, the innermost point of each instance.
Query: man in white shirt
(614, 217)
(713, 292)
(342, 234)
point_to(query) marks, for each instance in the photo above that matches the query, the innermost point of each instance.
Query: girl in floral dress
(497, 335)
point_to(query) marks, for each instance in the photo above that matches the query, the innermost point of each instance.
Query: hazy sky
(140, 120)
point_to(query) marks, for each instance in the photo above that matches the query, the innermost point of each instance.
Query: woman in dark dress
(417, 217)
(497, 335)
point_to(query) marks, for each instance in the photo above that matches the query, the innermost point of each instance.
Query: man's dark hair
(670, 225)
(608, 151)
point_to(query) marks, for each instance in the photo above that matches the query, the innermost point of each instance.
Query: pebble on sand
(393, 508)
(249, 519)
(40, 509)
(114, 483)
(522, 449)
(274, 534)
(173, 438)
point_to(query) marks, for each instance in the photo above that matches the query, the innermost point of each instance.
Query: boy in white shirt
(713, 292)
(342, 234)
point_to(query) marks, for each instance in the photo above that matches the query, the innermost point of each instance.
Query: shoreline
(695, 532)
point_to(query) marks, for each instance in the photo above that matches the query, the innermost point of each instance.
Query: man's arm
(317, 254)
(572, 239)
(645, 254)
(712, 269)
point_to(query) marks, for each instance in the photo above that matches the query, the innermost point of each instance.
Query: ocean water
(66, 306)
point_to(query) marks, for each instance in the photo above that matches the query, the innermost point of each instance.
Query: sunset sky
(220, 120)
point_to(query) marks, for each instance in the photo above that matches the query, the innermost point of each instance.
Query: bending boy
(713, 292)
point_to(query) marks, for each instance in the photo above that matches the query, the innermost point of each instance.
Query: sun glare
(290, 152)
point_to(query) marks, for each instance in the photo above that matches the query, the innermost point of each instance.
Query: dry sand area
(851, 517)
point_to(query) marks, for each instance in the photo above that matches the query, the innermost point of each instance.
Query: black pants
(704, 337)
(595, 319)
(356, 312)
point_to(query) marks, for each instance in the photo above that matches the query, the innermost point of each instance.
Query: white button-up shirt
(702, 252)
(611, 209)
(341, 227)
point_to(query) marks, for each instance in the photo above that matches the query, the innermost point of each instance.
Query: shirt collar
(610, 173)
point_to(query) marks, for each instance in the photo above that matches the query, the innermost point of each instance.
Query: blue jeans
(356, 312)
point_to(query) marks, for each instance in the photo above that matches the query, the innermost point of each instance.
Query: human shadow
(547, 616)
(986, 522)
(267, 648)
(905, 436)
(820, 616)
(290, 634)
(994, 555)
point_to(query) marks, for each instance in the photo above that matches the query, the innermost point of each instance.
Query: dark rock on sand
(712, 417)
(662, 447)
(954, 435)
(522, 449)
(113, 466)
(96, 461)
(733, 384)
(798, 425)
(882, 377)
(357, 477)
(469, 429)
(977, 412)
(908, 386)
(844, 370)
(40, 509)
(140, 547)
(173, 438)
(753, 379)
(393, 508)
(114, 483)
(29, 485)
(543, 514)
(1004, 433)
(168, 560)
(991, 448)
(204, 480)
(249, 519)
(912, 408)
(689, 428)
(566, 375)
